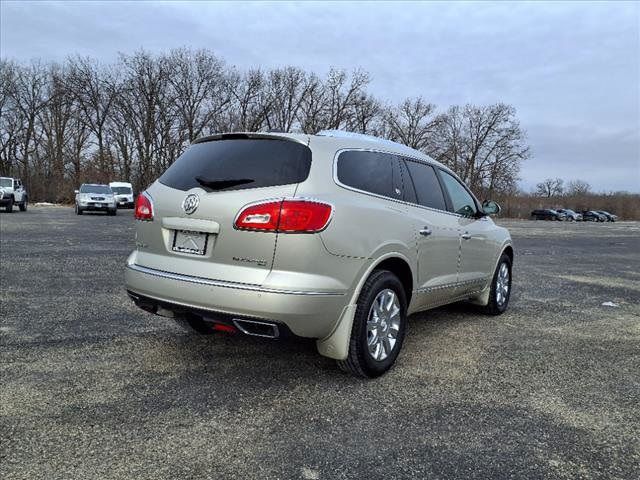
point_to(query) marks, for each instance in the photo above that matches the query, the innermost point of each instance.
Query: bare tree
(483, 144)
(200, 92)
(551, 187)
(29, 97)
(366, 115)
(95, 88)
(286, 87)
(413, 123)
(247, 112)
(12, 121)
(577, 188)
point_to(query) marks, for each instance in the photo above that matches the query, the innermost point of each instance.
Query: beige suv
(335, 236)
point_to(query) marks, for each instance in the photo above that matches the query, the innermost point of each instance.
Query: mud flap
(482, 298)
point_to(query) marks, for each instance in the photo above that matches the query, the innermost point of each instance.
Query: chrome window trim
(395, 200)
(225, 284)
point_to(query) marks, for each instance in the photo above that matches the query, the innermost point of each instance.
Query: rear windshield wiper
(212, 185)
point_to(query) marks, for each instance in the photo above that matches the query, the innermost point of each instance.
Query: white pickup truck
(12, 192)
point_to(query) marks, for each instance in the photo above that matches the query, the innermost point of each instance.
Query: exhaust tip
(257, 328)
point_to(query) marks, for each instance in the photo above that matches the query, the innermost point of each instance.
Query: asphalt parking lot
(92, 387)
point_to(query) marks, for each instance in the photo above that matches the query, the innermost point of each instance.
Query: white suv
(335, 236)
(13, 192)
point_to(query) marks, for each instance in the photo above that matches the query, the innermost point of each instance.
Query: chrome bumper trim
(223, 284)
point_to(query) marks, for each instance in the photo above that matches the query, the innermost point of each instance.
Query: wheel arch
(401, 269)
(508, 250)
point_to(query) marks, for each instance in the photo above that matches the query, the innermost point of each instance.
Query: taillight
(287, 216)
(264, 216)
(144, 208)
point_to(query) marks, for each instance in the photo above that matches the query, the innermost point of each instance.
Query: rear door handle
(466, 236)
(425, 232)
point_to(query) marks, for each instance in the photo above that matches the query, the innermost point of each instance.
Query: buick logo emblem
(190, 203)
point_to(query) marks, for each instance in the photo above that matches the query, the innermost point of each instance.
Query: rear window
(221, 164)
(122, 190)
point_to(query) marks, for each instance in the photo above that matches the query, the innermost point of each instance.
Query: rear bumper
(304, 313)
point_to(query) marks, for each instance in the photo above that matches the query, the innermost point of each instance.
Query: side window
(427, 186)
(407, 184)
(372, 172)
(461, 199)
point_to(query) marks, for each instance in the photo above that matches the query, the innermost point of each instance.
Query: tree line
(555, 187)
(80, 120)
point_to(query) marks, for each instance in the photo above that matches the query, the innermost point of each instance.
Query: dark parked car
(593, 216)
(609, 216)
(547, 214)
(571, 215)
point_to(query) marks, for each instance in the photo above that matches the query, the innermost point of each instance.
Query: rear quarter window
(265, 162)
(373, 172)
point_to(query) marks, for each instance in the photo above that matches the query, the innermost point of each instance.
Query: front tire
(23, 205)
(500, 287)
(113, 212)
(78, 210)
(379, 326)
(9, 207)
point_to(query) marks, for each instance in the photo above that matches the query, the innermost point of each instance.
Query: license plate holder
(187, 241)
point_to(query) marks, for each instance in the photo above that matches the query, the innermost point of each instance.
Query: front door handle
(466, 236)
(425, 232)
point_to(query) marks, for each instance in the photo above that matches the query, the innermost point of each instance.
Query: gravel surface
(92, 387)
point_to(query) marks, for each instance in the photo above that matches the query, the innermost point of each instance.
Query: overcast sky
(572, 70)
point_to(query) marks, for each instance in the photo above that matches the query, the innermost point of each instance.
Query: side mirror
(489, 207)
(76, 191)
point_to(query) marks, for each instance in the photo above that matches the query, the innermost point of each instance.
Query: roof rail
(362, 136)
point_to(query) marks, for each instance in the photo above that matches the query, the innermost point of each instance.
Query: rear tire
(500, 287)
(379, 326)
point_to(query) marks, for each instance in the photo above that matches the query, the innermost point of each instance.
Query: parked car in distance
(547, 214)
(13, 192)
(593, 216)
(609, 216)
(571, 216)
(93, 197)
(334, 236)
(123, 192)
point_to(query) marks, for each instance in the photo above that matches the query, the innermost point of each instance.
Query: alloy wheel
(383, 324)
(503, 283)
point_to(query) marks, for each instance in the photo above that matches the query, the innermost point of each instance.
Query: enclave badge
(190, 203)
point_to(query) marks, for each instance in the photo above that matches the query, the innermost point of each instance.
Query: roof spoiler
(248, 135)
